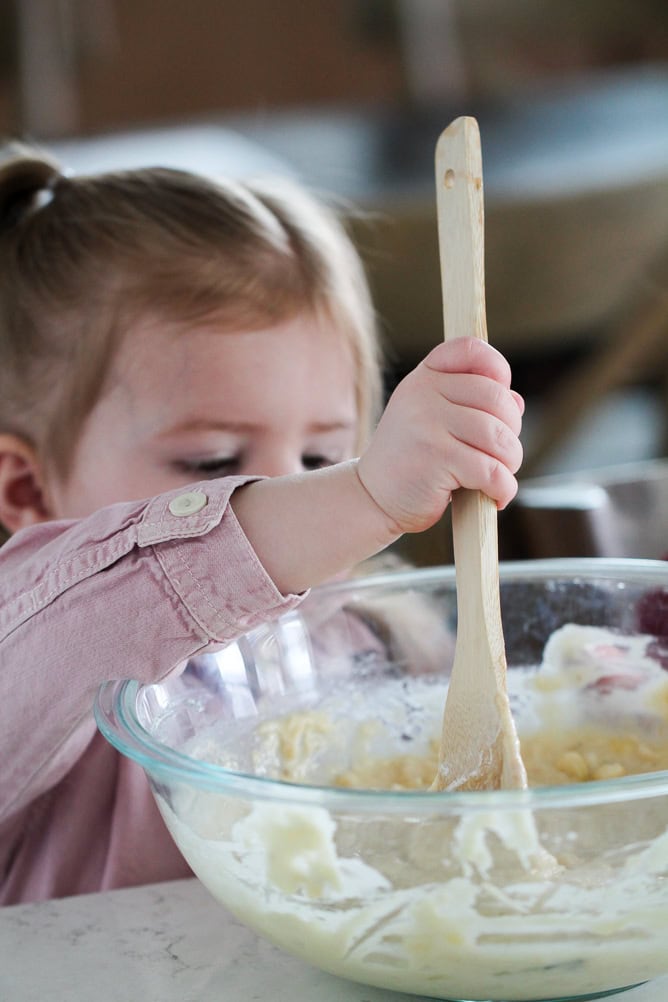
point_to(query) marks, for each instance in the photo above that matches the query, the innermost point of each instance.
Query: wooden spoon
(479, 745)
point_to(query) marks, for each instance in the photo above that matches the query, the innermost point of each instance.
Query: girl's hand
(452, 422)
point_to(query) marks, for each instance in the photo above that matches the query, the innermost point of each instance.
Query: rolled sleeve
(132, 591)
(219, 579)
(214, 570)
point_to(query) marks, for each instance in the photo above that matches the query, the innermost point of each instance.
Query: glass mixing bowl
(560, 891)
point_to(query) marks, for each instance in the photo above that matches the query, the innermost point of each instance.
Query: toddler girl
(165, 342)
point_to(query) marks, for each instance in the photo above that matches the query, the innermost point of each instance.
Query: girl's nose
(280, 463)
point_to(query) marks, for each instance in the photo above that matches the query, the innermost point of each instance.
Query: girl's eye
(316, 462)
(217, 466)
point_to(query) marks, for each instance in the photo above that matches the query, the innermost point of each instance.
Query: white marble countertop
(165, 943)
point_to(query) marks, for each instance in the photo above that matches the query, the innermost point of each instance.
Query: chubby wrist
(387, 525)
(309, 527)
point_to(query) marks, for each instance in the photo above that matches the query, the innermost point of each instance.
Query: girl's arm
(453, 422)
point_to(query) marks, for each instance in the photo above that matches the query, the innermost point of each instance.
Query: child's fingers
(453, 421)
(480, 471)
(469, 354)
(519, 400)
(488, 435)
(481, 393)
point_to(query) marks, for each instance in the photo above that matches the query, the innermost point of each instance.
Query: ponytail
(27, 179)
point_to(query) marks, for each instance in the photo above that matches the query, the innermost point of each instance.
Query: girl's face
(182, 406)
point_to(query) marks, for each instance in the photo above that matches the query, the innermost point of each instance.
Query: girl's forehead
(210, 362)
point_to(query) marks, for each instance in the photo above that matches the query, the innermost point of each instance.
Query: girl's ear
(22, 501)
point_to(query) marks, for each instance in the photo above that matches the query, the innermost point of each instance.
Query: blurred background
(350, 96)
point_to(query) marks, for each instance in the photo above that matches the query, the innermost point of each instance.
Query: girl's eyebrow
(202, 424)
(322, 426)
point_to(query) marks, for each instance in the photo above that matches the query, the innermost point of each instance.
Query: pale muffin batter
(454, 903)
(583, 665)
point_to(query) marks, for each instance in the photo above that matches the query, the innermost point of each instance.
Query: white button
(188, 504)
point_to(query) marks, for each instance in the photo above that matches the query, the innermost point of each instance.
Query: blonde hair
(81, 258)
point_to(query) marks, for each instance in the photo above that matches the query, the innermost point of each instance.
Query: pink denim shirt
(129, 592)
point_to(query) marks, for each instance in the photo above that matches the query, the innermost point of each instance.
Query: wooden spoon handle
(461, 228)
(461, 214)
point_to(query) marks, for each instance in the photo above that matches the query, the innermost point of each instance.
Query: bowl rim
(116, 718)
